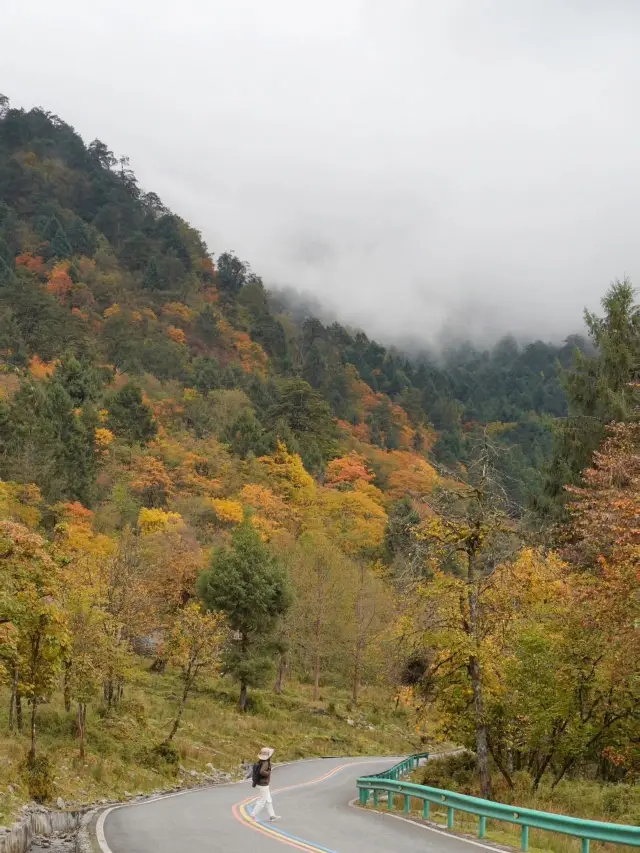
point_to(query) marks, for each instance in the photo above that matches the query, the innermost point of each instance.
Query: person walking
(262, 780)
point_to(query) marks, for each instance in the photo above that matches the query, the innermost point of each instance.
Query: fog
(413, 164)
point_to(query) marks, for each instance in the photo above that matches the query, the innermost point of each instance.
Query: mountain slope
(93, 266)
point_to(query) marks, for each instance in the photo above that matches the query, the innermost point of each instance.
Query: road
(311, 796)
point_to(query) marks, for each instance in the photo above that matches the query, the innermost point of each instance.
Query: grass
(119, 760)
(508, 834)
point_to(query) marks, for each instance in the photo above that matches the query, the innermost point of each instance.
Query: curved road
(311, 796)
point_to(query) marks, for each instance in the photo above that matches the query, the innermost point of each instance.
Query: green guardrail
(389, 782)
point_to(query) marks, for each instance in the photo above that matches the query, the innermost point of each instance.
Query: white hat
(265, 753)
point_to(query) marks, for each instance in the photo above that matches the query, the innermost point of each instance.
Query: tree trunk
(243, 696)
(67, 686)
(316, 658)
(19, 719)
(541, 768)
(32, 750)
(282, 664)
(505, 768)
(176, 722)
(244, 647)
(82, 718)
(475, 674)
(357, 664)
(482, 749)
(316, 676)
(14, 698)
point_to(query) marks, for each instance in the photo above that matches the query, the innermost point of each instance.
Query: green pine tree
(129, 417)
(247, 583)
(152, 279)
(600, 389)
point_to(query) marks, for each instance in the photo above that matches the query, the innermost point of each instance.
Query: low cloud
(412, 164)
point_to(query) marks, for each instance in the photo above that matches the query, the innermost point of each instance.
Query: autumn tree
(355, 518)
(563, 686)
(194, 645)
(317, 622)
(248, 585)
(470, 534)
(88, 655)
(604, 510)
(124, 597)
(171, 561)
(372, 613)
(33, 609)
(346, 471)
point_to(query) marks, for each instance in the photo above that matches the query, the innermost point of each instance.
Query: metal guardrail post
(407, 803)
(482, 827)
(425, 809)
(585, 845)
(450, 813)
(525, 838)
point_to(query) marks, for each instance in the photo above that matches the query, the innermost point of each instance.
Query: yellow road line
(241, 814)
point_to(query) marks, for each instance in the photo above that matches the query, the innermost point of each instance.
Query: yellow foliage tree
(287, 476)
(227, 511)
(179, 311)
(270, 511)
(194, 645)
(177, 335)
(151, 481)
(21, 502)
(354, 519)
(156, 520)
(30, 603)
(103, 438)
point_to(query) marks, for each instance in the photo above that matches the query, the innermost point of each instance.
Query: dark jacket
(265, 772)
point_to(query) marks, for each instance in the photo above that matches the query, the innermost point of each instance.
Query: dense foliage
(190, 470)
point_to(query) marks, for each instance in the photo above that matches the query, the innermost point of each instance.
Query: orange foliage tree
(347, 470)
(59, 282)
(151, 481)
(605, 513)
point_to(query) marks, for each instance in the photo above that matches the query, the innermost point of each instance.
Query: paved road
(311, 796)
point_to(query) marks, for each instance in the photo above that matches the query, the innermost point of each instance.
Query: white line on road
(354, 805)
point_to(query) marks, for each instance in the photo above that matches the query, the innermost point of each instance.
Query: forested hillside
(259, 499)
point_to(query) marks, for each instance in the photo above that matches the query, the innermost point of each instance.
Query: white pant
(263, 800)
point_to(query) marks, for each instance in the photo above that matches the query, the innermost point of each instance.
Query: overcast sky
(410, 161)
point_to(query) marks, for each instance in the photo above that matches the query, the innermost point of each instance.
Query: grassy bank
(120, 759)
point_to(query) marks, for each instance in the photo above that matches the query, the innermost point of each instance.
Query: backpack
(255, 773)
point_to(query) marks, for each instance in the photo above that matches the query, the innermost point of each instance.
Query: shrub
(40, 778)
(163, 757)
(133, 709)
(456, 771)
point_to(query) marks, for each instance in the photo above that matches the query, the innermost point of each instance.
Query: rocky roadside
(57, 844)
